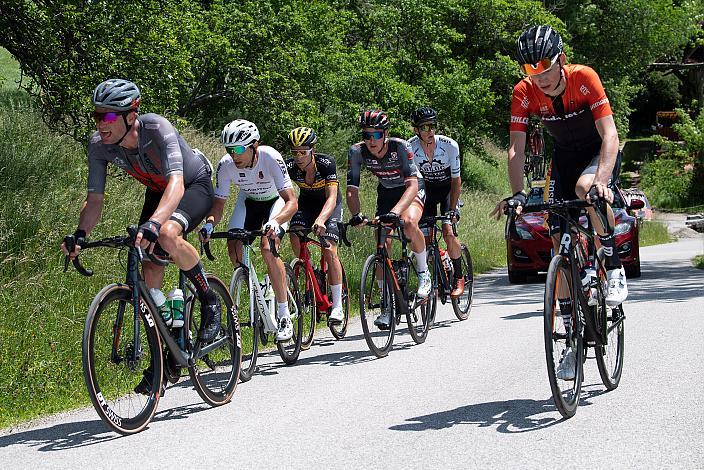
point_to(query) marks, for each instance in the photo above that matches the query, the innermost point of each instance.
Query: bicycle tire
(418, 318)
(433, 270)
(215, 375)
(609, 356)
(565, 396)
(339, 330)
(370, 306)
(109, 396)
(462, 305)
(249, 328)
(306, 299)
(289, 350)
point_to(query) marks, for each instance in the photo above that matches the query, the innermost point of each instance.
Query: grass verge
(698, 261)
(653, 232)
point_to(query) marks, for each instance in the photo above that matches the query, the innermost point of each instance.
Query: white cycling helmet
(239, 132)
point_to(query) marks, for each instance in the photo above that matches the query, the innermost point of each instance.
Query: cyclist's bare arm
(91, 209)
(330, 203)
(169, 200)
(516, 161)
(353, 199)
(455, 191)
(607, 155)
(216, 211)
(290, 207)
(408, 195)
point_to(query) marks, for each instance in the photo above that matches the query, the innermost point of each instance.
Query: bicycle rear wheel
(215, 375)
(565, 393)
(419, 310)
(339, 330)
(462, 305)
(115, 359)
(306, 299)
(372, 299)
(249, 323)
(289, 350)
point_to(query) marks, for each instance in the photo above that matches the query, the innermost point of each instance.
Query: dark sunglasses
(426, 127)
(376, 135)
(110, 116)
(237, 149)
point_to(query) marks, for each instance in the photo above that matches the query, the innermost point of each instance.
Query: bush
(666, 183)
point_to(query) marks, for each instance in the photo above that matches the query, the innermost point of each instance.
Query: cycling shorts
(387, 198)
(433, 197)
(250, 214)
(307, 214)
(562, 187)
(195, 203)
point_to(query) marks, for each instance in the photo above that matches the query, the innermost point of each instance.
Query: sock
(336, 295)
(566, 312)
(197, 276)
(282, 309)
(421, 261)
(457, 266)
(611, 261)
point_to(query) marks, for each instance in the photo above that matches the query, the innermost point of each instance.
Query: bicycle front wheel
(462, 305)
(339, 330)
(376, 296)
(215, 374)
(306, 299)
(120, 350)
(558, 338)
(609, 357)
(289, 350)
(248, 319)
(420, 310)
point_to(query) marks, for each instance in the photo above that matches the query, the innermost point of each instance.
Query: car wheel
(516, 277)
(633, 270)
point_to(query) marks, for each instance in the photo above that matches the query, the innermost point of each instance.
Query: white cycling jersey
(444, 164)
(262, 182)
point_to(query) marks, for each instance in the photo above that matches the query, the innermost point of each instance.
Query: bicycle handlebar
(237, 234)
(430, 220)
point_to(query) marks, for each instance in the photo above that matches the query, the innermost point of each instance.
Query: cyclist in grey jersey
(179, 191)
(400, 192)
(265, 200)
(438, 158)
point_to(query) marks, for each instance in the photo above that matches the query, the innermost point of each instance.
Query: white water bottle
(446, 261)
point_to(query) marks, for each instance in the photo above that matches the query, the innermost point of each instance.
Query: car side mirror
(636, 204)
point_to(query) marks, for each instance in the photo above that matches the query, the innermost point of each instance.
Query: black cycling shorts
(434, 196)
(387, 198)
(194, 206)
(307, 213)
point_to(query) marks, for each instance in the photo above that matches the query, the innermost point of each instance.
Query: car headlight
(524, 234)
(623, 227)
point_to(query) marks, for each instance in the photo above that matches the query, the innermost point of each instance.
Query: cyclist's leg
(334, 272)
(410, 217)
(299, 219)
(451, 241)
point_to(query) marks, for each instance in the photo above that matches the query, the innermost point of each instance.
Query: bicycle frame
(444, 280)
(384, 233)
(321, 298)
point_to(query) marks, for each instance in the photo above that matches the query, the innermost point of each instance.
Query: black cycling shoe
(210, 316)
(144, 387)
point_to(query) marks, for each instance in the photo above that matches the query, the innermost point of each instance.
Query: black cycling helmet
(423, 115)
(536, 43)
(374, 118)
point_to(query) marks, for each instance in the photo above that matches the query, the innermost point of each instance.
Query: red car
(529, 250)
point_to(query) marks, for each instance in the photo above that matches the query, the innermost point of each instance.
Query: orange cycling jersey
(584, 101)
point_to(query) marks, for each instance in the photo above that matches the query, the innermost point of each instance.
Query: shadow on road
(84, 433)
(512, 416)
(666, 282)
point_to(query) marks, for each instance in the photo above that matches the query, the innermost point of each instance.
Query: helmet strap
(559, 82)
(128, 128)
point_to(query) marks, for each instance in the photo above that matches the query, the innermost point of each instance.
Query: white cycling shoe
(424, 284)
(566, 369)
(337, 315)
(618, 289)
(285, 331)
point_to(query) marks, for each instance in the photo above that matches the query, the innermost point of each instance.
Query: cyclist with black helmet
(438, 159)
(400, 193)
(265, 199)
(319, 205)
(574, 108)
(179, 190)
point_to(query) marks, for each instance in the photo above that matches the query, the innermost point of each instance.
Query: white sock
(336, 295)
(282, 309)
(421, 261)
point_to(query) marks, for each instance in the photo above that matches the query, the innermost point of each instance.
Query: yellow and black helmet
(302, 136)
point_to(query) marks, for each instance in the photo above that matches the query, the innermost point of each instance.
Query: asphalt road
(476, 394)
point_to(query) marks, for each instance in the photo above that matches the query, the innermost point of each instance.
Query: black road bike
(124, 338)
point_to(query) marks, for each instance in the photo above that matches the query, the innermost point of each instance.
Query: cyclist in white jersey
(438, 159)
(266, 199)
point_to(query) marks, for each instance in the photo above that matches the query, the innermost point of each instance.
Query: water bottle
(160, 302)
(587, 274)
(175, 302)
(269, 298)
(446, 261)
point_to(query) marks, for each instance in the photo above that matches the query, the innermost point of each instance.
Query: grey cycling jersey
(392, 169)
(262, 182)
(160, 153)
(444, 164)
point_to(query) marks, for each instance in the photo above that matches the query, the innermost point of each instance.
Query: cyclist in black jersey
(400, 193)
(179, 191)
(438, 159)
(319, 205)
